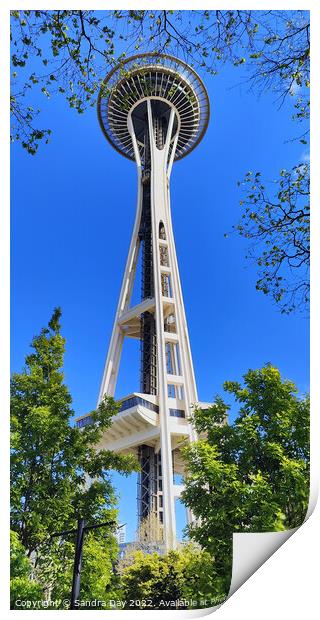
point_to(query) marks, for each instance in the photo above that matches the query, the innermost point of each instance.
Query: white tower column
(159, 211)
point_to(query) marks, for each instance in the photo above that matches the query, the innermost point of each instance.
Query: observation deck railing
(127, 403)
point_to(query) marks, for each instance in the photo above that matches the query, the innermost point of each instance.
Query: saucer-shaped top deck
(158, 77)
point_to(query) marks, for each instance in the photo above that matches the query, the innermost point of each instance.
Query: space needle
(153, 109)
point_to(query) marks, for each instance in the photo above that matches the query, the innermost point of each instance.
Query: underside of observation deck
(157, 76)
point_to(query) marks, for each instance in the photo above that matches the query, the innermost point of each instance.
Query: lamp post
(82, 528)
(76, 579)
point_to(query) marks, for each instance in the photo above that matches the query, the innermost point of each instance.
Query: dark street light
(80, 532)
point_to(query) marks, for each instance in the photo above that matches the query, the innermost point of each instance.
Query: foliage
(51, 578)
(22, 587)
(69, 52)
(54, 568)
(51, 462)
(280, 230)
(253, 475)
(183, 578)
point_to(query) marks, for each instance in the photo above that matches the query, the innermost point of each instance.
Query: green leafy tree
(22, 587)
(183, 578)
(252, 475)
(69, 52)
(54, 568)
(279, 226)
(52, 461)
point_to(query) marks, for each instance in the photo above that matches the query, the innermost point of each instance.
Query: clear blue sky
(73, 207)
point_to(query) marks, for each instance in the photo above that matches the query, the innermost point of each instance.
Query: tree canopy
(51, 463)
(279, 227)
(184, 578)
(70, 52)
(252, 475)
(21, 585)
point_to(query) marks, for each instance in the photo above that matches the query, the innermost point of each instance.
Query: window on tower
(169, 359)
(180, 392)
(166, 285)
(162, 232)
(170, 324)
(177, 358)
(171, 391)
(164, 258)
(173, 359)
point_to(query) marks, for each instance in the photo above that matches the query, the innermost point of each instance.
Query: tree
(69, 52)
(54, 568)
(51, 461)
(280, 230)
(21, 585)
(183, 578)
(252, 475)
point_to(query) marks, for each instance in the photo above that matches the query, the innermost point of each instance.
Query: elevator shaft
(148, 483)
(148, 364)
